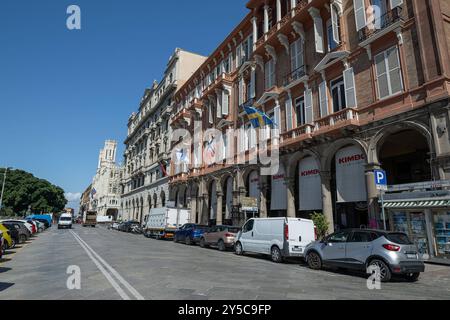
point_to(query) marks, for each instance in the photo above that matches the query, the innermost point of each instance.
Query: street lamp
(3, 187)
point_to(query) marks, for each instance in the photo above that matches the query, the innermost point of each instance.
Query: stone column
(263, 210)
(374, 208)
(219, 219)
(255, 30)
(290, 188)
(278, 10)
(205, 209)
(266, 19)
(293, 5)
(327, 201)
(193, 209)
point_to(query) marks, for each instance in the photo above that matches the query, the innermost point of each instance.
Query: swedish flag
(258, 118)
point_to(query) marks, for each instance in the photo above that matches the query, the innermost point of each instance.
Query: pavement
(115, 266)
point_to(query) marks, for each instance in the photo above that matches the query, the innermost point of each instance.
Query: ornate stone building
(353, 86)
(145, 181)
(105, 193)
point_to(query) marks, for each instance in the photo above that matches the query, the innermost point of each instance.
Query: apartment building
(144, 184)
(353, 86)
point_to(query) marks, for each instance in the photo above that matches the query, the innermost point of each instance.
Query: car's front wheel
(382, 268)
(238, 249)
(412, 277)
(188, 241)
(23, 238)
(314, 260)
(202, 243)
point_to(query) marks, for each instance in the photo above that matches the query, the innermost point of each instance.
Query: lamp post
(3, 188)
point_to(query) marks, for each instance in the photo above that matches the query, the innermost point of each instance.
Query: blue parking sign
(380, 179)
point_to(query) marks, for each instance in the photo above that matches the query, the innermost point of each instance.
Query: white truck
(162, 223)
(277, 237)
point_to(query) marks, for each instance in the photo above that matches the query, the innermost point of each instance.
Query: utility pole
(3, 188)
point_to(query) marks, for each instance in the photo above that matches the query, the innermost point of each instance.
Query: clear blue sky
(62, 93)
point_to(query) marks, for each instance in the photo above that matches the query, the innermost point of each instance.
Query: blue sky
(62, 93)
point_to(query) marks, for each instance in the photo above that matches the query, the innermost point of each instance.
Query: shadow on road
(5, 285)
(3, 260)
(3, 270)
(7, 253)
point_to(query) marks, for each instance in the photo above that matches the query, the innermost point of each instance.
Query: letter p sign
(380, 179)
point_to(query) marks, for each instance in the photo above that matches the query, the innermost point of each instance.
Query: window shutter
(360, 14)
(293, 57)
(308, 107)
(253, 83)
(225, 102)
(323, 96)
(350, 91)
(396, 3)
(395, 75)
(210, 110)
(335, 24)
(318, 30)
(241, 91)
(382, 77)
(219, 104)
(277, 118)
(289, 113)
(238, 56)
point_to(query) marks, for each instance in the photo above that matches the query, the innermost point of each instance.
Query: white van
(278, 237)
(65, 221)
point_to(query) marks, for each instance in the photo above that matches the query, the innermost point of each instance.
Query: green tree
(24, 191)
(321, 223)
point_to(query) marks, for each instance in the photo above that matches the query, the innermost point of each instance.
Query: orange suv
(221, 237)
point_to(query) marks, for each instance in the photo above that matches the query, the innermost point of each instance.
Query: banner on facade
(350, 175)
(310, 185)
(279, 190)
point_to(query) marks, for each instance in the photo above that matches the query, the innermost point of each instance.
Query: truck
(162, 223)
(104, 219)
(90, 219)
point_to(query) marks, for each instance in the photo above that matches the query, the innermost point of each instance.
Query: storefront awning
(417, 204)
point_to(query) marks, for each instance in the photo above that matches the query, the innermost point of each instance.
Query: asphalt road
(116, 265)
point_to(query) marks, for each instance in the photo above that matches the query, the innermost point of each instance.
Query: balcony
(336, 121)
(295, 77)
(223, 79)
(386, 23)
(181, 117)
(347, 118)
(284, 25)
(196, 105)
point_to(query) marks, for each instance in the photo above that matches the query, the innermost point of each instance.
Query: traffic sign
(381, 180)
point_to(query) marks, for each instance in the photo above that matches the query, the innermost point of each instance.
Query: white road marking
(130, 288)
(115, 285)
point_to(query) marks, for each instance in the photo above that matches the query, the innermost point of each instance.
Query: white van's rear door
(301, 233)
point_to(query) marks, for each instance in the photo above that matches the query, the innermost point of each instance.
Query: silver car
(392, 253)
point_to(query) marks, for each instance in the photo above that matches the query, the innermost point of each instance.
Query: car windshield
(201, 227)
(399, 238)
(65, 219)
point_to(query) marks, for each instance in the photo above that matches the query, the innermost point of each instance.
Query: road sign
(381, 180)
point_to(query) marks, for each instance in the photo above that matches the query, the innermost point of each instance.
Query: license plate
(411, 256)
(297, 249)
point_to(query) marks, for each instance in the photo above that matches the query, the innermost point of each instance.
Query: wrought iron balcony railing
(380, 23)
(294, 75)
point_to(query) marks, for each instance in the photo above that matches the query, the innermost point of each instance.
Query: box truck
(162, 223)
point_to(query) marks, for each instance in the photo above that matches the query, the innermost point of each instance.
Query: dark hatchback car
(18, 231)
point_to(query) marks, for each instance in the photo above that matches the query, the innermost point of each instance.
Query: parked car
(1, 244)
(128, 226)
(190, 233)
(278, 237)
(65, 221)
(30, 227)
(24, 234)
(8, 242)
(392, 252)
(115, 226)
(40, 226)
(46, 219)
(222, 237)
(14, 233)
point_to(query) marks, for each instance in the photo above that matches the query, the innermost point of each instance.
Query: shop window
(442, 233)
(414, 225)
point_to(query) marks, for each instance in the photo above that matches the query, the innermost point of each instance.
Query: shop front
(425, 217)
